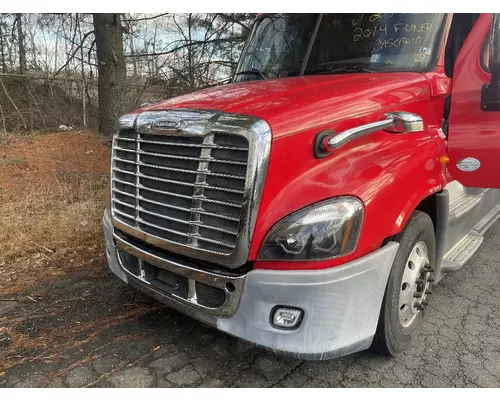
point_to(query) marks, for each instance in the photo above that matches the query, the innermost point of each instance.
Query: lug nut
(419, 307)
(430, 280)
(417, 294)
(419, 281)
(428, 291)
(424, 302)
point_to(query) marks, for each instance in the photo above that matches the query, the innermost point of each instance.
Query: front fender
(391, 174)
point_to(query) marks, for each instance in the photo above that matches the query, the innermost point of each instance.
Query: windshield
(284, 45)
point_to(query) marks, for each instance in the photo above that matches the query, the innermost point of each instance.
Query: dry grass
(50, 219)
(60, 219)
(6, 138)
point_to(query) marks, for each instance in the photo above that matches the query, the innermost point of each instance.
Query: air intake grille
(183, 189)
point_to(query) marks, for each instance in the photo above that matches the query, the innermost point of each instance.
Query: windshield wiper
(343, 69)
(253, 71)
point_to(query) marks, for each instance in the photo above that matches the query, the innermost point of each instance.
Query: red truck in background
(310, 205)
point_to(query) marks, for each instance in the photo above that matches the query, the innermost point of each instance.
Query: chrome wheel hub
(415, 285)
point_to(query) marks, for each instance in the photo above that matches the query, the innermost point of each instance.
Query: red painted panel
(390, 173)
(473, 132)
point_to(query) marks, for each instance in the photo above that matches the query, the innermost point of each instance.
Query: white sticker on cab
(468, 164)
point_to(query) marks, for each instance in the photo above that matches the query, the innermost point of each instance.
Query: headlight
(324, 230)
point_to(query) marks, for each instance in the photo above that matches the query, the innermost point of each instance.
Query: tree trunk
(190, 55)
(2, 53)
(132, 53)
(22, 68)
(111, 67)
(84, 111)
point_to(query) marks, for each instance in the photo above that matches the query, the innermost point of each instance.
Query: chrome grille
(190, 181)
(184, 189)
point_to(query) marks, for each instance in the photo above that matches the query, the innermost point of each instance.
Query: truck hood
(290, 105)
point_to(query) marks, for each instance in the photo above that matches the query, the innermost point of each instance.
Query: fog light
(286, 317)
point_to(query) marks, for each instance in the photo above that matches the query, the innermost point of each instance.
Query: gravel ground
(90, 329)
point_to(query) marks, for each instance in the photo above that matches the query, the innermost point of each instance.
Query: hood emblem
(185, 127)
(166, 125)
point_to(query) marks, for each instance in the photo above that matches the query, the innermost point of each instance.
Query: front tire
(408, 286)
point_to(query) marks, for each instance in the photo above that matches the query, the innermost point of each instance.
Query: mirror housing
(490, 96)
(405, 122)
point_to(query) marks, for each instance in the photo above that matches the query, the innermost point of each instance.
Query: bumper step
(461, 252)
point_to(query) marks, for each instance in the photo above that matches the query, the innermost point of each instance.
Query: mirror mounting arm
(393, 122)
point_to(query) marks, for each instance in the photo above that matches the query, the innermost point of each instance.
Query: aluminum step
(456, 190)
(463, 204)
(461, 252)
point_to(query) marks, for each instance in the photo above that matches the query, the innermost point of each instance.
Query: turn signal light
(444, 160)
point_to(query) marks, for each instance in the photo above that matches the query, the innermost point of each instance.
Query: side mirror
(405, 122)
(490, 97)
(393, 122)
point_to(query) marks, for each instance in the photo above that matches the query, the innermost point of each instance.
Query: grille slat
(123, 214)
(122, 171)
(201, 146)
(202, 212)
(183, 189)
(166, 193)
(184, 171)
(123, 193)
(204, 239)
(154, 178)
(122, 182)
(201, 225)
(162, 216)
(124, 149)
(147, 153)
(123, 203)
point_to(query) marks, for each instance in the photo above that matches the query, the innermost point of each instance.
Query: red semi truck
(310, 205)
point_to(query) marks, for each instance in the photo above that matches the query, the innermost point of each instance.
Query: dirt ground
(34, 161)
(66, 321)
(51, 199)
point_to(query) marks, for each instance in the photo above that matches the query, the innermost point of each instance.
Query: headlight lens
(325, 230)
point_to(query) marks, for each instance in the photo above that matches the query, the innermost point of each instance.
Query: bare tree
(3, 35)
(111, 67)
(22, 68)
(82, 66)
(71, 73)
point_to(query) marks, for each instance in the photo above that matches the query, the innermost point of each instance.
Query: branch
(86, 62)
(193, 43)
(233, 20)
(74, 53)
(89, 54)
(218, 62)
(12, 102)
(145, 18)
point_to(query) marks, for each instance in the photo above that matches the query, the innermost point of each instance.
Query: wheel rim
(415, 284)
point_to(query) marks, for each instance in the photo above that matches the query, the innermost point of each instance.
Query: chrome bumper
(341, 305)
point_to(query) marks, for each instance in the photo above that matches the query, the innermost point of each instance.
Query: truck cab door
(474, 119)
